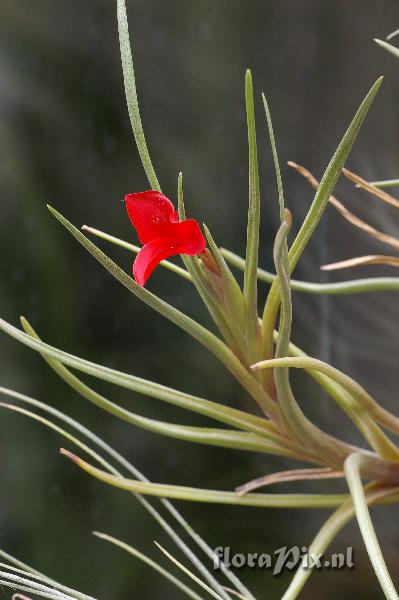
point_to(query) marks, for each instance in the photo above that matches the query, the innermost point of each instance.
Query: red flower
(159, 229)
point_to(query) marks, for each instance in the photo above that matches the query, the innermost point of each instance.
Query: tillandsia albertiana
(256, 349)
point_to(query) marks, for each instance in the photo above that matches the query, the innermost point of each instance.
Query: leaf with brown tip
(377, 259)
(365, 185)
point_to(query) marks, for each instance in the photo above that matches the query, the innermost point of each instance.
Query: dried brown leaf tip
(375, 259)
(375, 191)
(390, 240)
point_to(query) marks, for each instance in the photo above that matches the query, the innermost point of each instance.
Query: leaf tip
(97, 534)
(54, 212)
(288, 217)
(70, 455)
(248, 80)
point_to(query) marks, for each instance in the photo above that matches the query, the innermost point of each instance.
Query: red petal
(152, 215)
(188, 236)
(189, 240)
(159, 229)
(150, 256)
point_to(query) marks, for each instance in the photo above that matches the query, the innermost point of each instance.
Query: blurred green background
(66, 140)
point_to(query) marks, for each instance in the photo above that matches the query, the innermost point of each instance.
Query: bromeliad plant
(258, 352)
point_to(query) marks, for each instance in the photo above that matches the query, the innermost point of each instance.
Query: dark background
(66, 140)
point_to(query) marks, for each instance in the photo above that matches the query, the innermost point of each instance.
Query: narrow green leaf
(391, 49)
(355, 286)
(392, 34)
(133, 471)
(149, 388)
(211, 436)
(23, 583)
(388, 183)
(364, 411)
(131, 95)
(343, 397)
(44, 593)
(273, 444)
(357, 399)
(315, 213)
(295, 422)
(251, 259)
(279, 181)
(53, 585)
(352, 466)
(201, 284)
(267, 379)
(22, 565)
(197, 331)
(180, 198)
(327, 533)
(135, 249)
(330, 178)
(151, 563)
(188, 572)
(232, 300)
(234, 290)
(212, 496)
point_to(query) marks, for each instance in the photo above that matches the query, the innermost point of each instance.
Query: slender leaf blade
(330, 178)
(251, 259)
(131, 95)
(352, 470)
(391, 49)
